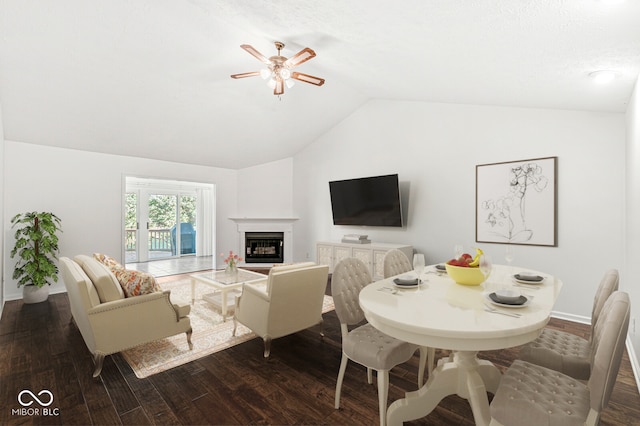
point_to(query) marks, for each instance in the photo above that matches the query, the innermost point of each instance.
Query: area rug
(210, 333)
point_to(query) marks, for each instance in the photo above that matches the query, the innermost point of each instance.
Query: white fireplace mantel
(266, 224)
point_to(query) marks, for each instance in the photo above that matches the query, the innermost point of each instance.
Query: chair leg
(383, 391)
(431, 360)
(267, 347)
(189, 333)
(321, 328)
(98, 360)
(369, 375)
(427, 357)
(343, 367)
(235, 326)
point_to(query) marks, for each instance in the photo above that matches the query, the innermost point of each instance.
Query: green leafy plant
(36, 247)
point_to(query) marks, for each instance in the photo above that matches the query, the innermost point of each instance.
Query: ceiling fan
(279, 68)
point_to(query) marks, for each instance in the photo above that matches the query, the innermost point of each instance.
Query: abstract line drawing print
(515, 202)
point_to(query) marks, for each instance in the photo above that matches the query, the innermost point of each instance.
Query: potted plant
(36, 247)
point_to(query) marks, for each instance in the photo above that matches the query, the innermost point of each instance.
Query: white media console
(330, 253)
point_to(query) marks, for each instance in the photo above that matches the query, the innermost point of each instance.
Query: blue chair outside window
(187, 239)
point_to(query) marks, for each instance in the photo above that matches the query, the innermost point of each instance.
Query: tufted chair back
(566, 352)
(609, 337)
(395, 262)
(365, 344)
(530, 394)
(349, 277)
(608, 285)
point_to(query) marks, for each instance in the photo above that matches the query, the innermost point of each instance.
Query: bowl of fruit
(465, 270)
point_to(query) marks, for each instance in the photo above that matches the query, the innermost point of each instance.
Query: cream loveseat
(289, 300)
(110, 322)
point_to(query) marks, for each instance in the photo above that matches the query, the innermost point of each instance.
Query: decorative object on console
(279, 68)
(36, 246)
(356, 239)
(503, 190)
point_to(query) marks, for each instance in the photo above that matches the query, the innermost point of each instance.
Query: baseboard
(570, 317)
(18, 297)
(635, 365)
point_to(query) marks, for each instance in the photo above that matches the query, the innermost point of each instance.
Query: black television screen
(368, 201)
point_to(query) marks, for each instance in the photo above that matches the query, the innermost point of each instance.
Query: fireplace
(264, 247)
(254, 225)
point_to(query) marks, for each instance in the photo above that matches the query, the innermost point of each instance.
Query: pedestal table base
(462, 374)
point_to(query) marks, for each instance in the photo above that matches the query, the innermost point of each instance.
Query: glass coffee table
(224, 283)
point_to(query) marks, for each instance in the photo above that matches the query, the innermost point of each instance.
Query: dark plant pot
(33, 294)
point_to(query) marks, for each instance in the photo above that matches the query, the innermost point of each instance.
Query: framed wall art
(516, 202)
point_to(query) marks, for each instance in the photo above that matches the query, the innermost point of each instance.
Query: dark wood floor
(40, 349)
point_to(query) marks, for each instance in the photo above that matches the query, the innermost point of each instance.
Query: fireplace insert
(264, 247)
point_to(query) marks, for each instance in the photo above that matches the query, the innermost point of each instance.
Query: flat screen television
(367, 201)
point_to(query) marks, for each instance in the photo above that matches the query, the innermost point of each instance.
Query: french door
(159, 225)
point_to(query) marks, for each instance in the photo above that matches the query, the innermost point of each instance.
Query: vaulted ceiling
(151, 78)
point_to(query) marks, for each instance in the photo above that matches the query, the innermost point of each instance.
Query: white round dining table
(442, 314)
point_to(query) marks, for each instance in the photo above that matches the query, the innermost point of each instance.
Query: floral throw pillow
(108, 261)
(135, 283)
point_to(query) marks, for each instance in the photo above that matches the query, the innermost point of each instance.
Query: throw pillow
(106, 260)
(135, 283)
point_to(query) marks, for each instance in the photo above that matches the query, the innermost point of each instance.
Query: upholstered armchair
(110, 322)
(288, 301)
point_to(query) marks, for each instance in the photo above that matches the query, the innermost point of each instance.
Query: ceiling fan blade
(307, 78)
(302, 56)
(255, 53)
(245, 74)
(279, 89)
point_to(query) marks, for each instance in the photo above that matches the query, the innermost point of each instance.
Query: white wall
(629, 280)
(435, 147)
(266, 191)
(85, 190)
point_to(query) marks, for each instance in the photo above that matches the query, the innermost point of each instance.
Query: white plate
(405, 287)
(416, 285)
(505, 305)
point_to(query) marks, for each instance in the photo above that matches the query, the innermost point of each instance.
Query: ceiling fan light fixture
(279, 69)
(265, 73)
(285, 73)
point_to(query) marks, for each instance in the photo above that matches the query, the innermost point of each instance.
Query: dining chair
(365, 344)
(566, 352)
(529, 394)
(395, 262)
